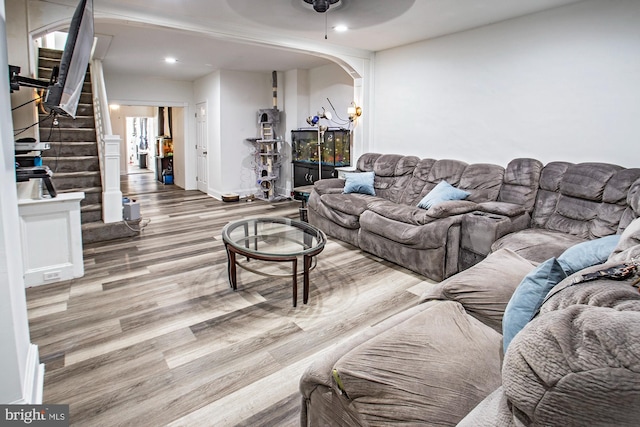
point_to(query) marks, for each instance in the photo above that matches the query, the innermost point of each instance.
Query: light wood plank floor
(153, 335)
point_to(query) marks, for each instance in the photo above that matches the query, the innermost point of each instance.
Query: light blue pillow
(359, 182)
(442, 192)
(586, 254)
(528, 297)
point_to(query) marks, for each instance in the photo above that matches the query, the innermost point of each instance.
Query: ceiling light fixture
(321, 6)
(340, 28)
(170, 60)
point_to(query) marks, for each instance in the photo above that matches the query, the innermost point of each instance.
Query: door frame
(202, 148)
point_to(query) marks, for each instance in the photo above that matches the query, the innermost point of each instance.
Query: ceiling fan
(321, 6)
(356, 14)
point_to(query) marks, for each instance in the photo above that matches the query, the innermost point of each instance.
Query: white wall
(233, 99)
(333, 82)
(18, 358)
(296, 110)
(563, 84)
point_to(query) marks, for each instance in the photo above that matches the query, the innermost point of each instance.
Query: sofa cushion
(633, 197)
(520, 183)
(633, 207)
(359, 182)
(418, 216)
(484, 289)
(537, 244)
(628, 247)
(587, 180)
(482, 181)
(528, 297)
(592, 200)
(415, 185)
(392, 165)
(412, 372)
(586, 254)
(352, 204)
(493, 411)
(578, 366)
(428, 236)
(442, 192)
(446, 170)
(366, 161)
(401, 213)
(548, 192)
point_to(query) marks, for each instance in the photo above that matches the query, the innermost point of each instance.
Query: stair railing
(108, 148)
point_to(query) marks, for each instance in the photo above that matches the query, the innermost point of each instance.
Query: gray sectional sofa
(560, 204)
(442, 362)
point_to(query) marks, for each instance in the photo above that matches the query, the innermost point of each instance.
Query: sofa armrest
(480, 229)
(418, 216)
(329, 185)
(320, 370)
(450, 208)
(433, 368)
(502, 208)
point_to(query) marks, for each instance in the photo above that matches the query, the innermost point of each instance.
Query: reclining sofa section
(522, 207)
(392, 226)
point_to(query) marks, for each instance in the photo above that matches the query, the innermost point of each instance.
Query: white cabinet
(51, 238)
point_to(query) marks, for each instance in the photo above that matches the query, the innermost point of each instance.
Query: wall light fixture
(354, 112)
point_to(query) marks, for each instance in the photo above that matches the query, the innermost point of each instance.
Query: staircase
(73, 157)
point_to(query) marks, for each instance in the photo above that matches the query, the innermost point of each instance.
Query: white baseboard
(33, 380)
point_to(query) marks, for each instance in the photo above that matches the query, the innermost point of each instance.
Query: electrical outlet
(52, 275)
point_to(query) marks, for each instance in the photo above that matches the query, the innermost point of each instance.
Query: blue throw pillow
(528, 297)
(359, 182)
(586, 254)
(442, 192)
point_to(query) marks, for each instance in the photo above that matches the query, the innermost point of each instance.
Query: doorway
(140, 137)
(173, 147)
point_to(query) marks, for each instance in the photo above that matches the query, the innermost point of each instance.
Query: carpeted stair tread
(99, 232)
(91, 207)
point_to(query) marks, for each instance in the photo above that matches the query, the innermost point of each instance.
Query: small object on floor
(230, 197)
(250, 198)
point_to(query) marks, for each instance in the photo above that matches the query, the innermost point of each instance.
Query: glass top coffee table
(273, 239)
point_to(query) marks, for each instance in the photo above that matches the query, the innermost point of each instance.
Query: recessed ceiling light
(170, 60)
(341, 28)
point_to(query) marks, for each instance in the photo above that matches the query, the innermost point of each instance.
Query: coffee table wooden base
(232, 251)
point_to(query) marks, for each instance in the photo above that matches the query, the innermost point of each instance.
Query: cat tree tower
(267, 156)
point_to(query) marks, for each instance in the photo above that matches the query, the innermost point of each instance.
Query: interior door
(201, 147)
